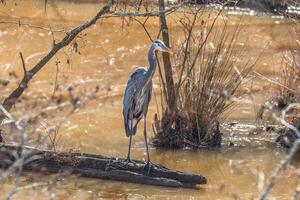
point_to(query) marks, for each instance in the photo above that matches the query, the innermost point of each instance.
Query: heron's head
(158, 45)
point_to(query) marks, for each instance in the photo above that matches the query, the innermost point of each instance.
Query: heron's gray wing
(131, 114)
(133, 85)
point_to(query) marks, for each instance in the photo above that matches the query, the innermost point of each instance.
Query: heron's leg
(128, 159)
(146, 142)
(148, 165)
(129, 147)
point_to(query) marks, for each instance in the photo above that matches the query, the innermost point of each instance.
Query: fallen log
(96, 166)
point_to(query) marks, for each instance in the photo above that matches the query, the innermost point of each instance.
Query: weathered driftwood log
(96, 166)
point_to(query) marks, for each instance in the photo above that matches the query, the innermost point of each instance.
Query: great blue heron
(138, 95)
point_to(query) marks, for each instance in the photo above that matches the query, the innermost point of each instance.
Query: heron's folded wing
(133, 85)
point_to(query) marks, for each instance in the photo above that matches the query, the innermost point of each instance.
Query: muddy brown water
(108, 54)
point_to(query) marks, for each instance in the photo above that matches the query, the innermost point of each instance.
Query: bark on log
(96, 166)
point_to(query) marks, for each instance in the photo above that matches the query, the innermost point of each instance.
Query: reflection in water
(106, 55)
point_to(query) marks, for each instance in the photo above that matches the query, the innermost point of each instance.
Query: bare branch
(12, 98)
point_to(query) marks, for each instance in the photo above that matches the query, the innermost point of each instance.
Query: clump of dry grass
(286, 94)
(207, 76)
(289, 92)
(289, 86)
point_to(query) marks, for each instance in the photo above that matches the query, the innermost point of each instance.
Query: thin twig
(23, 63)
(273, 81)
(19, 23)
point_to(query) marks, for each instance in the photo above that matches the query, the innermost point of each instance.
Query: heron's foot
(148, 167)
(127, 162)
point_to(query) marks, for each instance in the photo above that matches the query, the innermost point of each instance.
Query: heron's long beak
(169, 50)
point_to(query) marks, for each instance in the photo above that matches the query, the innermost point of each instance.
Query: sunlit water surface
(109, 52)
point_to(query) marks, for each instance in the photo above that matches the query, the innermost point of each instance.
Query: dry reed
(207, 74)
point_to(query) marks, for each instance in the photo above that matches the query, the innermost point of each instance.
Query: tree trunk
(166, 60)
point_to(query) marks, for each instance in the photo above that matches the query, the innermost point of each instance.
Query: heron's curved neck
(152, 62)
